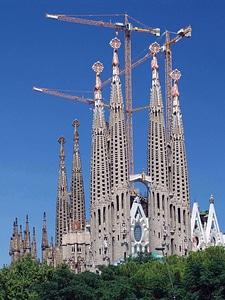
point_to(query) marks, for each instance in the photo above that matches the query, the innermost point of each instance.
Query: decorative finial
(175, 75)
(62, 140)
(211, 199)
(115, 43)
(154, 48)
(98, 67)
(76, 124)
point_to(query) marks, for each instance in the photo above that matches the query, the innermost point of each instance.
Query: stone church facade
(122, 221)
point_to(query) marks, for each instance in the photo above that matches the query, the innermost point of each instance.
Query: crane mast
(128, 85)
(168, 85)
(127, 28)
(184, 32)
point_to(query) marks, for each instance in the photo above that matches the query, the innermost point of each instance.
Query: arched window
(137, 233)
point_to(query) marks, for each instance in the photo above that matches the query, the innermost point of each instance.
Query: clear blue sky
(36, 51)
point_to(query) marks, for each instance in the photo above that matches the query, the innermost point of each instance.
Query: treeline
(199, 276)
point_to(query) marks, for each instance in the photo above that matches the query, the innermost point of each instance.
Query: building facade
(205, 230)
(123, 222)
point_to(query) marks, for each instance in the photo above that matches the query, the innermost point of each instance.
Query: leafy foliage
(205, 274)
(201, 275)
(17, 281)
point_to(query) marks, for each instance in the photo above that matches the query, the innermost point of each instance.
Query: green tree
(205, 274)
(66, 285)
(17, 280)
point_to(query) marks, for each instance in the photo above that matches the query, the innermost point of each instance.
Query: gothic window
(163, 202)
(213, 241)
(117, 203)
(104, 214)
(158, 204)
(99, 217)
(184, 217)
(137, 233)
(197, 240)
(122, 201)
(178, 215)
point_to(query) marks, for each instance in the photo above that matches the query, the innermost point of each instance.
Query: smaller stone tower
(44, 244)
(26, 243)
(77, 201)
(62, 205)
(20, 244)
(34, 245)
(15, 246)
(75, 246)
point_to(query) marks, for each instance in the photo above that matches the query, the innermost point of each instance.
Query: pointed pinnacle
(62, 141)
(76, 124)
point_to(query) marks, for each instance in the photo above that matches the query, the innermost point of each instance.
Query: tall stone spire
(34, 245)
(44, 244)
(77, 201)
(26, 243)
(14, 251)
(62, 197)
(100, 178)
(180, 212)
(119, 165)
(157, 158)
(157, 163)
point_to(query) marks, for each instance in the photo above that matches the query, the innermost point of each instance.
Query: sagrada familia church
(123, 222)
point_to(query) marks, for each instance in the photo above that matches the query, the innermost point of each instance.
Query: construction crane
(184, 32)
(127, 27)
(76, 98)
(63, 95)
(135, 64)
